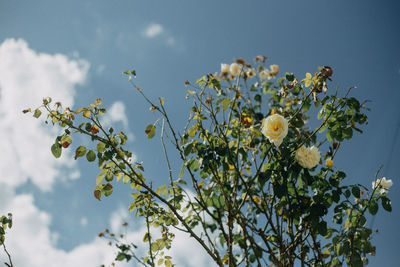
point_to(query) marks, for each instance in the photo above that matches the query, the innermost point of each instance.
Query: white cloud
(116, 113)
(153, 30)
(164, 36)
(25, 78)
(31, 243)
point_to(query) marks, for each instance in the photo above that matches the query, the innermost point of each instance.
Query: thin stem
(167, 159)
(10, 264)
(149, 239)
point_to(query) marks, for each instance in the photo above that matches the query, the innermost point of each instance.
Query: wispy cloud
(153, 30)
(116, 113)
(162, 35)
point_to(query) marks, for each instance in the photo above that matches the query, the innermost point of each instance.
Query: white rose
(235, 69)
(224, 68)
(251, 73)
(383, 184)
(264, 75)
(274, 70)
(308, 157)
(275, 128)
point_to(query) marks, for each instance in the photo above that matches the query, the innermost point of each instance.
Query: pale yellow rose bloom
(275, 128)
(264, 75)
(329, 162)
(308, 157)
(224, 68)
(383, 184)
(274, 70)
(251, 73)
(235, 69)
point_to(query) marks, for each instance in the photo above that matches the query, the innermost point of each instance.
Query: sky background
(76, 51)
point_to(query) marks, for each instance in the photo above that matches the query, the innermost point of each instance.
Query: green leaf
(162, 190)
(126, 179)
(356, 260)
(91, 156)
(289, 77)
(386, 204)
(265, 167)
(107, 189)
(119, 176)
(109, 176)
(86, 113)
(101, 147)
(56, 150)
(194, 165)
(80, 152)
(321, 113)
(120, 256)
(201, 80)
(347, 133)
(168, 263)
(192, 130)
(225, 103)
(182, 172)
(356, 191)
(100, 177)
(373, 207)
(330, 135)
(150, 131)
(37, 113)
(335, 263)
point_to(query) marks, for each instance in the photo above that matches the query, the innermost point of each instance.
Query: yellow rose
(329, 162)
(257, 199)
(275, 128)
(308, 157)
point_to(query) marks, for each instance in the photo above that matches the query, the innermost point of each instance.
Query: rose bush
(251, 189)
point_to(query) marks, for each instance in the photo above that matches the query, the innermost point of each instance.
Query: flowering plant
(251, 189)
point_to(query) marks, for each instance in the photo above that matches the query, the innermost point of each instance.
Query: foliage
(6, 222)
(252, 189)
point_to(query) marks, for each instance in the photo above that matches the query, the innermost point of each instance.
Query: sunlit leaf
(37, 113)
(80, 152)
(150, 131)
(56, 150)
(91, 156)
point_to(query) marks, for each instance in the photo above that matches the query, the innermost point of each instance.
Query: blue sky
(168, 42)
